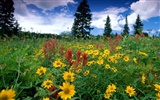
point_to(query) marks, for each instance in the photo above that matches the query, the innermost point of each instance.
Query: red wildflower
(69, 56)
(142, 35)
(85, 59)
(55, 94)
(137, 37)
(61, 50)
(78, 55)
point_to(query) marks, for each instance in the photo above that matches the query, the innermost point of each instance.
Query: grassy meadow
(120, 68)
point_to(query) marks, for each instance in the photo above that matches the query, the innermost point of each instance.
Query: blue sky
(56, 16)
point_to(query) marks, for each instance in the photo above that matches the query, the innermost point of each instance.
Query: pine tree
(107, 28)
(7, 19)
(138, 26)
(126, 28)
(81, 26)
(16, 28)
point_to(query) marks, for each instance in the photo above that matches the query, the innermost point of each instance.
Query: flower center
(41, 71)
(48, 83)
(69, 76)
(66, 91)
(58, 63)
(130, 91)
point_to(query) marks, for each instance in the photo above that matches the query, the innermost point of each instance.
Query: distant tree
(7, 19)
(107, 28)
(146, 34)
(16, 28)
(126, 28)
(138, 26)
(81, 26)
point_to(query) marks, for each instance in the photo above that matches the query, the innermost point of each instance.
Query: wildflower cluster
(157, 89)
(7, 94)
(116, 68)
(109, 91)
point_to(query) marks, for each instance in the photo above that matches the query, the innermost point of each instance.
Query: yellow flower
(68, 76)
(90, 52)
(95, 52)
(91, 46)
(107, 52)
(57, 63)
(47, 84)
(118, 48)
(143, 53)
(107, 95)
(107, 66)
(126, 58)
(50, 76)
(100, 61)
(94, 76)
(111, 88)
(143, 79)
(130, 90)
(45, 98)
(78, 70)
(110, 58)
(67, 91)
(157, 87)
(41, 71)
(135, 60)
(114, 69)
(89, 63)
(86, 73)
(158, 96)
(7, 94)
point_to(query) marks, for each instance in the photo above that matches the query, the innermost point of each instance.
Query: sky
(57, 16)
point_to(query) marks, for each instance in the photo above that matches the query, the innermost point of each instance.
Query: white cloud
(40, 24)
(20, 8)
(146, 8)
(59, 22)
(99, 18)
(56, 23)
(49, 4)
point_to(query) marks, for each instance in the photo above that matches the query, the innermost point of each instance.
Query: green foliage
(126, 28)
(107, 28)
(138, 26)
(7, 21)
(20, 60)
(81, 26)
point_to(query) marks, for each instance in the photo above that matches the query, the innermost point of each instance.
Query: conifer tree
(81, 26)
(7, 19)
(138, 26)
(126, 28)
(107, 28)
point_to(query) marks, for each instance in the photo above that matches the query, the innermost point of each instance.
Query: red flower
(49, 46)
(78, 55)
(137, 37)
(85, 59)
(142, 35)
(62, 50)
(55, 94)
(69, 56)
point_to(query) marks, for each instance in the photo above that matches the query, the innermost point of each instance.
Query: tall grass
(96, 63)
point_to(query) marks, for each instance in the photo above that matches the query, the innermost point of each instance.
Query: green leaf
(151, 76)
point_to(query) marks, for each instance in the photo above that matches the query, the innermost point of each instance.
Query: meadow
(120, 68)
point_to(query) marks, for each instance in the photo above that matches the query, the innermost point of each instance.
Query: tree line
(81, 27)
(82, 23)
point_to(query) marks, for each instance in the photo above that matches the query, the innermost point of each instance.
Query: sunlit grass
(120, 68)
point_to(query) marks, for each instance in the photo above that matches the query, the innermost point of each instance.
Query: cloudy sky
(56, 16)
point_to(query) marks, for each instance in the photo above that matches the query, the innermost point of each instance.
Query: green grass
(21, 58)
